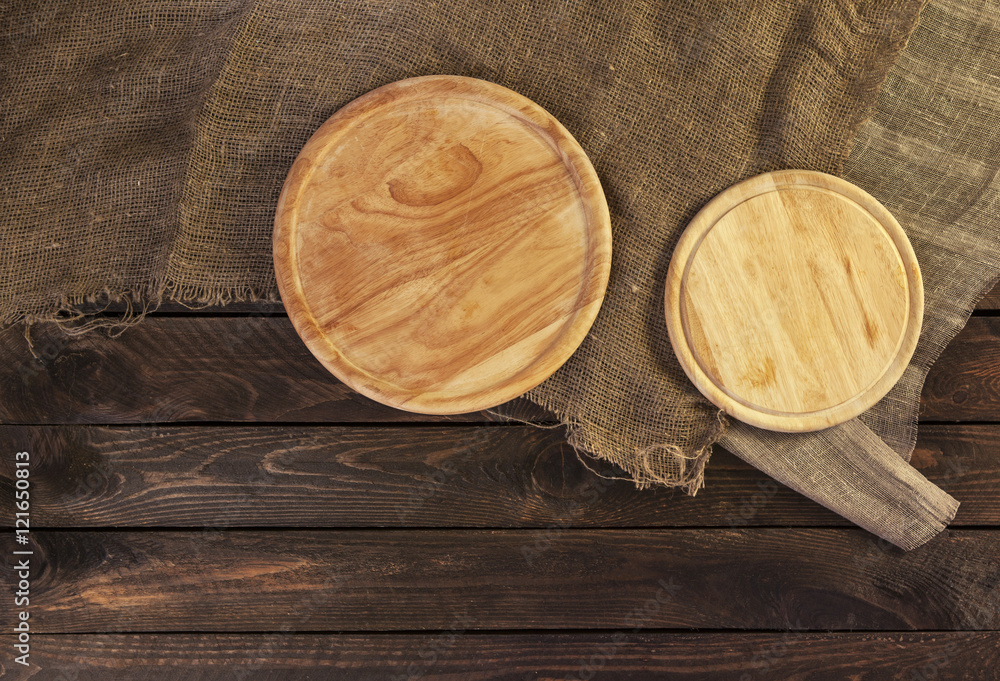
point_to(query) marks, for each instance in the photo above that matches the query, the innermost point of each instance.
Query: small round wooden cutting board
(794, 301)
(442, 244)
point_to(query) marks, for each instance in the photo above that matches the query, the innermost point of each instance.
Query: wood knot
(440, 177)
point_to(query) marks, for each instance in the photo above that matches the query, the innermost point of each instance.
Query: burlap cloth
(143, 146)
(931, 155)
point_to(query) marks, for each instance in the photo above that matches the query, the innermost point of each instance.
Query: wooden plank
(558, 578)
(991, 301)
(963, 460)
(172, 308)
(257, 369)
(181, 369)
(457, 653)
(514, 476)
(964, 384)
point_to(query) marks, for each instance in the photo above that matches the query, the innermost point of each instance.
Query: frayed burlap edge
(77, 315)
(641, 471)
(640, 464)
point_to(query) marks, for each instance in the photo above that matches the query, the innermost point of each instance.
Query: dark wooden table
(207, 502)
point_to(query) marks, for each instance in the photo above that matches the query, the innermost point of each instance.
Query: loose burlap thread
(143, 146)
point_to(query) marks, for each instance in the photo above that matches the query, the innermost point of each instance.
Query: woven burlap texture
(931, 154)
(144, 145)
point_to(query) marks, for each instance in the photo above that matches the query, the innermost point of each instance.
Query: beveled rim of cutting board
(592, 287)
(679, 331)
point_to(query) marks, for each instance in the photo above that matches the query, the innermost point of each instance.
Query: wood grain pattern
(519, 476)
(442, 244)
(183, 369)
(830, 579)
(964, 383)
(991, 301)
(176, 309)
(255, 369)
(794, 301)
(457, 653)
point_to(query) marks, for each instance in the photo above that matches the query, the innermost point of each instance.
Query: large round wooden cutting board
(442, 244)
(794, 301)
